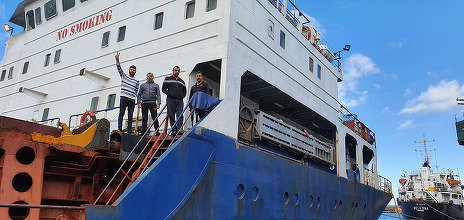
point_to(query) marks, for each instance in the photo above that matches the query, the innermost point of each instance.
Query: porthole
(311, 201)
(318, 201)
(240, 191)
(22, 182)
(18, 213)
(295, 199)
(335, 204)
(25, 155)
(286, 198)
(255, 193)
(340, 205)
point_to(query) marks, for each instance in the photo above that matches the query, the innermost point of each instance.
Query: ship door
(352, 169)
(211, 72)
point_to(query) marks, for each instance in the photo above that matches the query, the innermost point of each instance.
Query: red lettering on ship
(85, 25)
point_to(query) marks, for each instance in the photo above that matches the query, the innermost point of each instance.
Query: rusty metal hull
(48, 181)
(209, 177)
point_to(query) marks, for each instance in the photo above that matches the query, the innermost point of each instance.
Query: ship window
(106, 35)
(159, 20)
(30, 20)
(3, 75)
(10, 73)
(122, 33)
(271, 30)
(111, 101)
(319, 71)
(68, 4)
(25, 67)
(211, 5)
(83, 0)
(282, 39)
(50, 9)
(38, 16)
(57, 56)
(94, 104)
(45, 114)
(190, 11)
(47, 59)
(311, 65)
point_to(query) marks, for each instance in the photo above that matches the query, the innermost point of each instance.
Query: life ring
(308, 30)
(84, 116)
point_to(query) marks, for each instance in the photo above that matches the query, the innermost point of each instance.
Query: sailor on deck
(174, 88)
(129, 88)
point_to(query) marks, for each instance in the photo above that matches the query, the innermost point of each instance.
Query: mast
(426, 159)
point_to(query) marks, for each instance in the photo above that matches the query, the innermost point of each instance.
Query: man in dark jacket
(199, 86)
(149, 98)
(174, 88)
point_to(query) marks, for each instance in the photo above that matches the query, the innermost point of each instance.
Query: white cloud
(377, 86)
(395, 44)
(386, 110)
(431, 74)
(437, 98)
(407, 92)
(394, 76)
(355, 67)
(406, 124)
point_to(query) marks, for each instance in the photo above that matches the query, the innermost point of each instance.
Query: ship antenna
(426, 159)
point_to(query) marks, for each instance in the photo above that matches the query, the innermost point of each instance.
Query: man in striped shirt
(129, 88)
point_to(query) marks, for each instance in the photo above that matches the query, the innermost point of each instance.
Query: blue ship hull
(209, 176)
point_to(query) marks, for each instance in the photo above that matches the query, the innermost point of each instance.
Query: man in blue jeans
(175, 90)
(129, 88)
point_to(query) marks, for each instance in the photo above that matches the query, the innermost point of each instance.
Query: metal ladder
(156, 144)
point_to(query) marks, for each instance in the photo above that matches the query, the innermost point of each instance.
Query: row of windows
(282, 44)
(57, 59)
(10, 72)
(106, 36)
(189, 13)
(49, 12)
(93, 105)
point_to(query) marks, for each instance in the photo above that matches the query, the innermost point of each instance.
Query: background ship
(278, 145)
(431, 195)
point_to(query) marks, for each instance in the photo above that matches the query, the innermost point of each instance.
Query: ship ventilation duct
(100, 79)
(34, 94)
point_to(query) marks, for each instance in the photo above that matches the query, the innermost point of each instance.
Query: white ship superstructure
(262, 55)
(429, 194)
(442, 187)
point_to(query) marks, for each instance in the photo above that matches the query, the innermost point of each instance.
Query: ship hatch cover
(267, 95)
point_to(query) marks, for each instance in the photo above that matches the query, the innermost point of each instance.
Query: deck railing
(298, 19)
(385, 185)
(352, 122)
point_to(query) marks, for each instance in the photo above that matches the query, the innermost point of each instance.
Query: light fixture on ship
(8, 28)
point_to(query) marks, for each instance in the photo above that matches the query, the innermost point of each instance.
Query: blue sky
(401, 76)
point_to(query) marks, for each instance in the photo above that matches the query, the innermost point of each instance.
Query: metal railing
(297, 18)
(98, 111)
(50, 120)
(385, 185)
(155, 152)
(352, 122)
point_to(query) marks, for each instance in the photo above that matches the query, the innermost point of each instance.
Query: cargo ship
(428, 194)
(275, 142)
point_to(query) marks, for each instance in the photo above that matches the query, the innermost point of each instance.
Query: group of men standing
(148, 97)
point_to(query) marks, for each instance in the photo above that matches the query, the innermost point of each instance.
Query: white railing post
(300, 23)
(284, 8)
